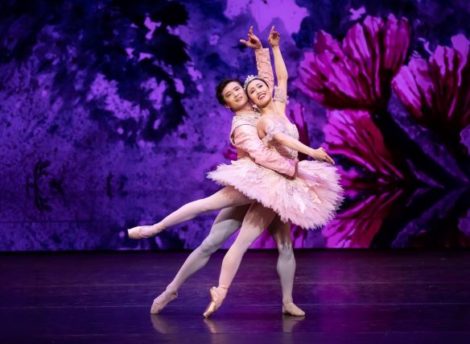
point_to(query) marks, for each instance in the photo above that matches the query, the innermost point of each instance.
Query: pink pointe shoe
(217, 297)
(162, 300)
(291, 309)
(144, 232)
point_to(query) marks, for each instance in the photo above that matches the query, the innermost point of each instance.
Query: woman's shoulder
(271, 118)
(270, 123)
(266, 120)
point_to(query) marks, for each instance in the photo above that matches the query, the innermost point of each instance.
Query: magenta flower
(230, 152)
(356, 226)
(371, 168)
(436, 92)
(356, 73)
(352, 134)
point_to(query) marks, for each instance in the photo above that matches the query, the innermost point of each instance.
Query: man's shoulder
(245, 119)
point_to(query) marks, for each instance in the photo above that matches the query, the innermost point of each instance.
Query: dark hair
(220, 88)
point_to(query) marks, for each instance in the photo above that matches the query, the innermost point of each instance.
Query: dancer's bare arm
(245, 137)
(267, 126)
(263, 60)
(280, 69)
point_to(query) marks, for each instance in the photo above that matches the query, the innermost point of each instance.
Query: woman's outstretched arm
(280, 69)
(267, 127)
(263, 60)
(317, 154)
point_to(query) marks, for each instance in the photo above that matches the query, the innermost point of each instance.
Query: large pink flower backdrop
(108, 116)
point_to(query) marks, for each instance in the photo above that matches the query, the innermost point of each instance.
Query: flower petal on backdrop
(356, 226)
(353, 135)
(436, 91)
(357, 72)
(230, 152)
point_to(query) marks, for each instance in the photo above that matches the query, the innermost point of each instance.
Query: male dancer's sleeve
(264, 67)
(245, 138)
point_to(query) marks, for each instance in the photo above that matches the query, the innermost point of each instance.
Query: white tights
(226, 223)
(256, 220)
(226, 197)
(234, 207)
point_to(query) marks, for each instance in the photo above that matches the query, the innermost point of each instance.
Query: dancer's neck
(270, 108)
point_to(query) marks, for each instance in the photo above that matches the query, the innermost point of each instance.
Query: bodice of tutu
(310, 195)
(276, 125)
(244, 136)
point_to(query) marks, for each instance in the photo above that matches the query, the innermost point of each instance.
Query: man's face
(234, 96)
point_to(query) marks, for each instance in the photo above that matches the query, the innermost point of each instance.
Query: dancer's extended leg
(226, 223)
(227, 197)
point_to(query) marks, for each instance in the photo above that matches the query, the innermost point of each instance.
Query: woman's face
(259, 93)
(234, 96)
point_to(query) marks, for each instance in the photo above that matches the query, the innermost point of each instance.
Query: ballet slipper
(144, 232)
(162, 300)
(292, 310)
(217, 297)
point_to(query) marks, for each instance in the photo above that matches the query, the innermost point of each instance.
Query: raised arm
(263, 60)
(280, 69)
(245, 137)
(264, 67)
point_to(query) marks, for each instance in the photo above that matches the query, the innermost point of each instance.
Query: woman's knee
(219, 200)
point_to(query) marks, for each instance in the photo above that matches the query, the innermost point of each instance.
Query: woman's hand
(252, 40)
(321, 155)
(274, 37)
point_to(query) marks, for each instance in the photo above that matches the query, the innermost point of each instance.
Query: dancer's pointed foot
(143, 232)
(291, 309)
(162, 300)
(217, 297)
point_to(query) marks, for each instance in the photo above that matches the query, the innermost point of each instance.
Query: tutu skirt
(309, 200)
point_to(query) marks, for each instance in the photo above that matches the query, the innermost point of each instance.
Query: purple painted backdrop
(108, 116)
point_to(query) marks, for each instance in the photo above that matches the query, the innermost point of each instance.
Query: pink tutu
(309, 200)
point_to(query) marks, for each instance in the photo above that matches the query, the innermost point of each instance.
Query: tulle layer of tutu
(309, 200)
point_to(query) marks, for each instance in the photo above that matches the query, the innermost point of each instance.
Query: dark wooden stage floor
(349, 297)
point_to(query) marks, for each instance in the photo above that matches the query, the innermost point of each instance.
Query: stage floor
(349, 297)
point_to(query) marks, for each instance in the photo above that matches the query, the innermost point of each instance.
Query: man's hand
(252, 40)
(274, 37)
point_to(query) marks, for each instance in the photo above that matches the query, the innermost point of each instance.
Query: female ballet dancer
(287, 182)
(309, 200)
(229, 196)
(245, 137)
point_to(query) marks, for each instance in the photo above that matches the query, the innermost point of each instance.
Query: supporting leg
(285, 266)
